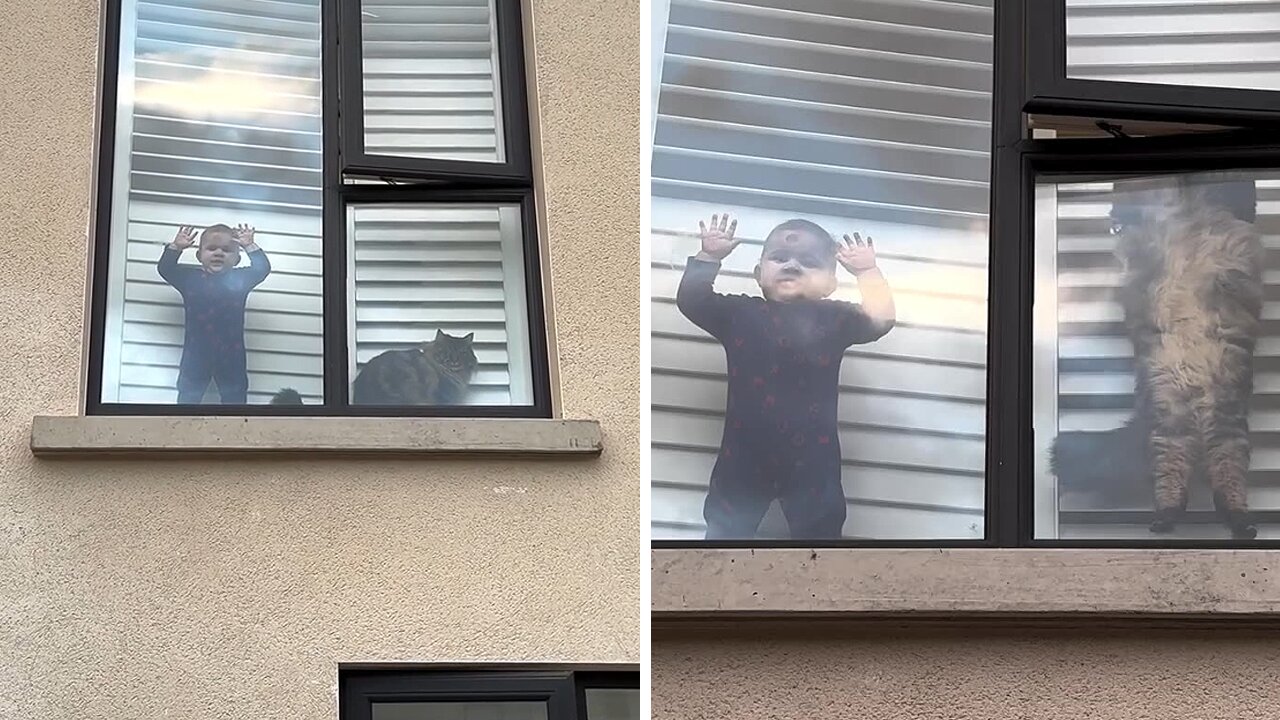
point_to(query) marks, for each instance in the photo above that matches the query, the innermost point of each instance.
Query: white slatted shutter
(416, 270)
(1214, 43)
(869, 116)
(430, 86)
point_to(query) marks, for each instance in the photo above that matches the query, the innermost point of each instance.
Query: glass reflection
(805, 385)
(216, 167)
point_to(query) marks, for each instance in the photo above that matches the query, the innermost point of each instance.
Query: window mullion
(334, 236)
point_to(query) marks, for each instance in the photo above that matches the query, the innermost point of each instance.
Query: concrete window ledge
(949, 584)
(168, 436)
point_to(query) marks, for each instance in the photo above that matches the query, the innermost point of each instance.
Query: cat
(1108, 468)
(437, 372)
(1192, 299)
(287, 396)
(434, 373)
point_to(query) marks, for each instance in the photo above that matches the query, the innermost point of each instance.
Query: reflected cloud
(226, 88)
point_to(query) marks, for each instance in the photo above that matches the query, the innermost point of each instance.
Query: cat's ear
(468, 336)
(439, 332)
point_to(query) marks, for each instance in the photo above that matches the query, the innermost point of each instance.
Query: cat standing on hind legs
(1192, 299)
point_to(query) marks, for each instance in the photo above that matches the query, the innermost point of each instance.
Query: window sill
(966, 584)
(170, 436)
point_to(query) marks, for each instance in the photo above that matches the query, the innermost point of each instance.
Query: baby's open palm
(185, 238)
(243, 234)
(855, 255)
(717, 240)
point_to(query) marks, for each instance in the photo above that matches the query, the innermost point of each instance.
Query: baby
(783, 353)
(213, 300)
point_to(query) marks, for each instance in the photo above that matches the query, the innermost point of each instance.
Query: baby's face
(218, 252)
(796, 265)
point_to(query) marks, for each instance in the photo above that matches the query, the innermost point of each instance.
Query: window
(1129, 355)
(393, 264)
(517, 694)
(1136, 292)
(1038, 387)
(863, 117)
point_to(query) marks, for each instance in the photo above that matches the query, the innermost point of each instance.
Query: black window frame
(385, 180)
(563, 689)
(517, 169)
(601, 680)
(1033, 78)
(1084, 160)
(1026, 82)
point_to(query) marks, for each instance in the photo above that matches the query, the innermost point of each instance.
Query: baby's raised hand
(855, 255)
(243, 235)
(717, 240)
(185, 238)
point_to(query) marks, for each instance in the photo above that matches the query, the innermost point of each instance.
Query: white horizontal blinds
(459, 269)
(658, 12)
(1218, 43)
(224, 127)
(431, 79)
(863, 116)
(1095, 358)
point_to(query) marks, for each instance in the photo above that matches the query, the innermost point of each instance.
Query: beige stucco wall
(233, 588)
(890, 671)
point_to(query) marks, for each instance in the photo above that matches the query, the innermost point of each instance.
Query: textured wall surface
(232, 589)
(989, 673)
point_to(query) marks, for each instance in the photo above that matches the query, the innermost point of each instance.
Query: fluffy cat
(1192, 299)
(434, 373)
(437, 372)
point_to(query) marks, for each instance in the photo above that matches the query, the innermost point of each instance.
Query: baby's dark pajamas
(213, 344)
(781, 438)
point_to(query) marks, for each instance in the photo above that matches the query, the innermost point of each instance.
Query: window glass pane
(431, 80)
(217, 123)
(613, 703)
(440, 316)
(861, 117)
(1215, 43)
(1156, 356)
(459, 711)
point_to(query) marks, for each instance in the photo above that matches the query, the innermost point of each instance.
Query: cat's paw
(1241, 528)
(1165, 520)
(1244, 532)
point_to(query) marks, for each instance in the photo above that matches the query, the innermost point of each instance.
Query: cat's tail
(287, 396)
(1110, 463)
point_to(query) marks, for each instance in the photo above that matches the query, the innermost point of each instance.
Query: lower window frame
(563, 689)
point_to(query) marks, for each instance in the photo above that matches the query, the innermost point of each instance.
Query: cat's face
(1144, 204)
(453, 352)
